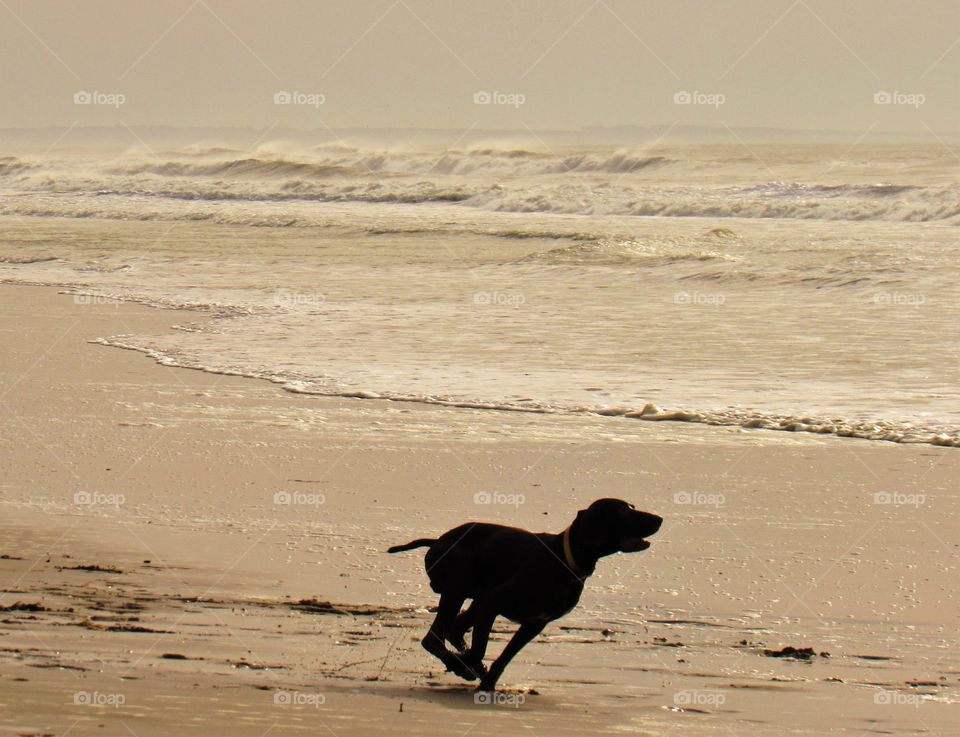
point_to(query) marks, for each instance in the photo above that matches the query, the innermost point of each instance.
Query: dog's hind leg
(521, 637)
(460, 626)
(434, 641)
(483, 616)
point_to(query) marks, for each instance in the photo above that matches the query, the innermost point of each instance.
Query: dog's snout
(651, 523)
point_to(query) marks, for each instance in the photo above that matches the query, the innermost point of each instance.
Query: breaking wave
(345, 161)
(599, 183)
(10, 165)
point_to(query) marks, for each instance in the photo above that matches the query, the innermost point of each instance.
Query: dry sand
(241, 529)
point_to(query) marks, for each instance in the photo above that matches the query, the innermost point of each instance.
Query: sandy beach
(185, 553)
(636, 325)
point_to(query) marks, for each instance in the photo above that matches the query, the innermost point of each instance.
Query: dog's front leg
(521, 637)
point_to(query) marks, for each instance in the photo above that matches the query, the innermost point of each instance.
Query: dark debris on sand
(22, 606)
(794, 653)
(92, 568)
(254, 666)
(316, 606)
(133, 628)
(662, 642)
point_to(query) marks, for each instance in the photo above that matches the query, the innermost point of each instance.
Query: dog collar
(568, 554)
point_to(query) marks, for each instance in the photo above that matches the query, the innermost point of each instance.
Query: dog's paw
(480, 669)
(467, 669)
(463, 672)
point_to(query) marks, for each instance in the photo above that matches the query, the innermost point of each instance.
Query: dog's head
(614, 526)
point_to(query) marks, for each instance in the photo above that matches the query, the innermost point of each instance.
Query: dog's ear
(593, 532)
(582, 519)
(585, 517)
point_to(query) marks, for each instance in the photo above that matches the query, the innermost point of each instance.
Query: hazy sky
(557, 64)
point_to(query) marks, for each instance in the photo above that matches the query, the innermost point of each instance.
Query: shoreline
(198, 459)
(879, 430)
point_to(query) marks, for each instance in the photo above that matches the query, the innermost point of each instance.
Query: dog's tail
(423, 542)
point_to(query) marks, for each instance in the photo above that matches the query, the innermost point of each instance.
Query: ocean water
(796, 287)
